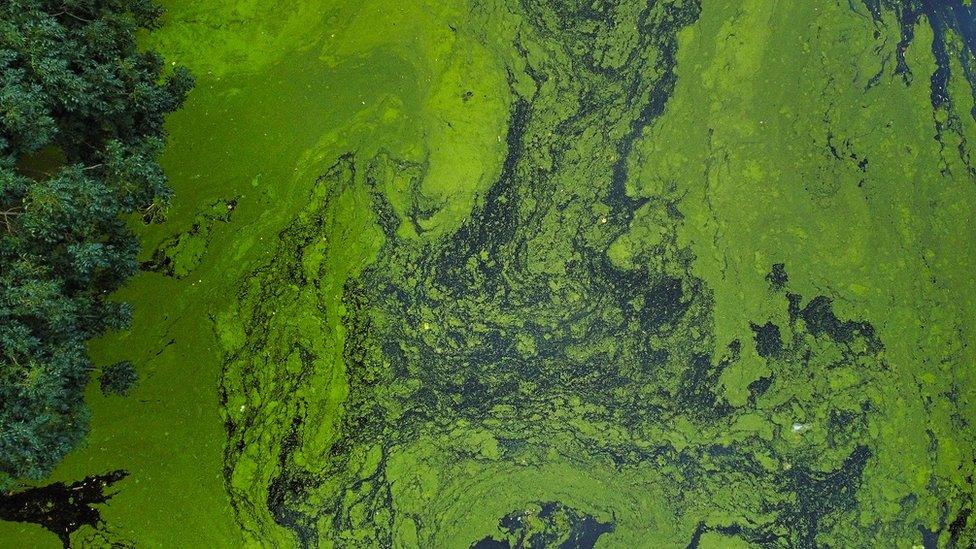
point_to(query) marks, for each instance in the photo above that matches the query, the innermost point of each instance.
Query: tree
(119, 378)
(81, 127)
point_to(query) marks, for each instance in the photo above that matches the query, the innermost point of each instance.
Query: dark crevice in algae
(61, 508)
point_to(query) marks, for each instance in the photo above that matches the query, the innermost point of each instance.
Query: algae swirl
(527, 273)
(553, 353)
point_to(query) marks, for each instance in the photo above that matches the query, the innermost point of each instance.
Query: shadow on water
(61, 508)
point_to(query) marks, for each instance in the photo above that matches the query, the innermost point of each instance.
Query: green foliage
(71, 79)
(119, 378)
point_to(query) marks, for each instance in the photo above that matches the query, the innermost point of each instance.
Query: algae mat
(519, 273)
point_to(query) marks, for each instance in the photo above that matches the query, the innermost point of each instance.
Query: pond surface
(547, 274)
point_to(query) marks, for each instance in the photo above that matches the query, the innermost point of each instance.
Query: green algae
(613, 273)
(581, 320)
(179, 255)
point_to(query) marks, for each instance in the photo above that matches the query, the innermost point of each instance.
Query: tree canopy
(81, 127)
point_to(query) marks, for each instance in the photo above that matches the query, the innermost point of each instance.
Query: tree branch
(8, 215)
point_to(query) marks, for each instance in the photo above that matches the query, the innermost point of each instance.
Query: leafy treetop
(81, 127)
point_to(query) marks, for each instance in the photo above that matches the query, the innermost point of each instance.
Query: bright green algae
(601, 331)
(662, 276)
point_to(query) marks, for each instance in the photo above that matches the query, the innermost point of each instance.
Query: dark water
(946, 15)
(554, 522)
(953, 14)
(61, 508)
(943, 16)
